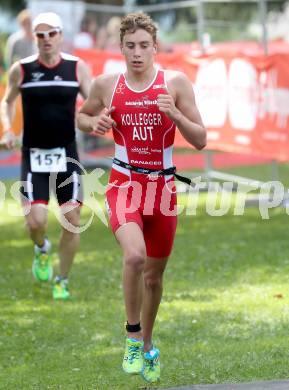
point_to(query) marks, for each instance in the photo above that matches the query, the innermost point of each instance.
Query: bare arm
(181, 107)
(9, 50)
(94, 116)
(8, 105)
(84, 77)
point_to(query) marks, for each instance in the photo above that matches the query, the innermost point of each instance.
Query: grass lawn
(262, 172)
(224, 315)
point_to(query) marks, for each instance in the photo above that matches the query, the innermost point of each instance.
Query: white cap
(49, 18)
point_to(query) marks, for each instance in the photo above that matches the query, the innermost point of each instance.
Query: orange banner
(242, 94)
(17, 126)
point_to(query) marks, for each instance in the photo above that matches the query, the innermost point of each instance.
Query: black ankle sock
(133, 328)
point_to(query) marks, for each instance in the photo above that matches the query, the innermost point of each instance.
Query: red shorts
(151, 203)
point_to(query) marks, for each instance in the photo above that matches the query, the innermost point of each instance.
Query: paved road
(267, 385)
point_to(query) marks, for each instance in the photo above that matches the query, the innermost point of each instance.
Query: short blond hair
(23, 16)
(134, 21)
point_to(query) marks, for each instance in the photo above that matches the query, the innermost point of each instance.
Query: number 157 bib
(48, 160)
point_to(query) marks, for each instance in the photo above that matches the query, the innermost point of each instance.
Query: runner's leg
(130, 237)
(69, 239)
(152, 295)
(36, 223)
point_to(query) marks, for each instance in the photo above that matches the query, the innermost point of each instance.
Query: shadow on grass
(208, 328)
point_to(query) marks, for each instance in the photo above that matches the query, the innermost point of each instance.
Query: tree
(14, 6)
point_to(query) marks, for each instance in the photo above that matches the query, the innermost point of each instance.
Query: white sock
(45, 248)
(58, 279)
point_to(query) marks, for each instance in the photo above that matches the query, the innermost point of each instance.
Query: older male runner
(49, 83)
(144, 105)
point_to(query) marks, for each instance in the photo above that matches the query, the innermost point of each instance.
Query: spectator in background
(86, 38)
(108, 38)
(21, 44)
(112, 41)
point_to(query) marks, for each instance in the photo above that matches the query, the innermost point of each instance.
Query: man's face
(48, 39)
(138, 49)
(27, 26)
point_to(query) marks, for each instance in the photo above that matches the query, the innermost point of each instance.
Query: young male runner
(143, 106)
(49, 83)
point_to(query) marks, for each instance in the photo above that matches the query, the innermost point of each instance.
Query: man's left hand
(167, 105)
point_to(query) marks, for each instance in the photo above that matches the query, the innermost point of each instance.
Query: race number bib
(48, 160)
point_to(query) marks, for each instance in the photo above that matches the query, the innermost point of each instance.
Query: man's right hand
(8, 140)
(103, 123)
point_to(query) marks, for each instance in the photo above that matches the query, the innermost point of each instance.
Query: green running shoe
(151, 371)
(42, 268)
(133, 356)
(60, 289)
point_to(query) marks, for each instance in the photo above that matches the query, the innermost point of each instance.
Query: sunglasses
(47, 34)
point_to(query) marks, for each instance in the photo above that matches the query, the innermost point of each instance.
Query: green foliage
(230, 11)
(14, 6)
(223, 21)
(182, 32)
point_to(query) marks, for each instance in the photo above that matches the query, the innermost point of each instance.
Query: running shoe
(151, 371)
(133, 356)
(60, 289)
(42, 269)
